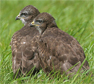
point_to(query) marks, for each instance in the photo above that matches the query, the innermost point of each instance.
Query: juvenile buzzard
(23, 43)
(58, 50)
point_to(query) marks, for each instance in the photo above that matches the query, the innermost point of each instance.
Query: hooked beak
(18, 17)
(32, 24)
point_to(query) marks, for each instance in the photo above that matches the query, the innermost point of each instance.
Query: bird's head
(43, 21)
(27, 14)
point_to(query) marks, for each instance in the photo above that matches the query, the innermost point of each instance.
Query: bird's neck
(28, 23)
(40, 30)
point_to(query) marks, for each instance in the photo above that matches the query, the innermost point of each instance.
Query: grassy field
(74, 17)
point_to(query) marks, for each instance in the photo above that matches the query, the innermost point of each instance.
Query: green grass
(74, 17)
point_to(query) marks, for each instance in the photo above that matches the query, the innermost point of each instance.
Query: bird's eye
(23, 13)
(40, 21)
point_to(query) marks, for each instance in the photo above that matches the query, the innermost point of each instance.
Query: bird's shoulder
(59, 35)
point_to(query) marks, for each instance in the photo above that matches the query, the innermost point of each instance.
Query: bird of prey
(58, 51)
(23, 44)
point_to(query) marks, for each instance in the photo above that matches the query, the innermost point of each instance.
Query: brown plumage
(58, 51)
(23, 44)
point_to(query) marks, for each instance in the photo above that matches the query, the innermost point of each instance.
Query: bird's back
(23, 47)
(59, 48)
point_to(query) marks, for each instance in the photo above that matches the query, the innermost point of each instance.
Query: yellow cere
(33, 22)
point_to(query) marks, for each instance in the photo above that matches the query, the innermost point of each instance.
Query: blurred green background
(74, 17)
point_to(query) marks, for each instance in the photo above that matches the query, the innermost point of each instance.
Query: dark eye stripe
(23, 13)
(39, 21)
